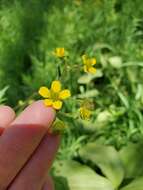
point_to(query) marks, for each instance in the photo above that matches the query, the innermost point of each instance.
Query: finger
(49, 185)
(7, 115)
(19, 141)
(37, 113)
(34, 174)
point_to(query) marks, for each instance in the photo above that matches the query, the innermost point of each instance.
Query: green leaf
(88, 126)
(2, 94)
(132, 158)
(89, 94)
(136, 184)
(123, 99)
(107, 159)
(60, 183)
(115, 61)
(81, 177)
(87, 78)
(103, 118)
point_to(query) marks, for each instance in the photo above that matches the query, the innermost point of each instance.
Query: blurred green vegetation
(111, 31)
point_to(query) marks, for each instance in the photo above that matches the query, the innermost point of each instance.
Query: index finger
(20, 140)
(7, 115)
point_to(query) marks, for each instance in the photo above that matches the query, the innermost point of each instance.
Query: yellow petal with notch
(48, 102)
(44, 92)
(64, 94)
(92, 70)
(57, 104)
(56, 86)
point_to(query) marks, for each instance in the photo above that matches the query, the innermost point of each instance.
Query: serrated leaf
(107, 159)
(81, 177)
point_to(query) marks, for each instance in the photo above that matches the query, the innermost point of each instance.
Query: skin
(27, 149)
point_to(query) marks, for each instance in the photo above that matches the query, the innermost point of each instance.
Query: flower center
(54, 95)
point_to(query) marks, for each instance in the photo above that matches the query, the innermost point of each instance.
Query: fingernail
(36, 113)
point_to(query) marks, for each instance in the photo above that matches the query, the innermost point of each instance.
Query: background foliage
(112, 31)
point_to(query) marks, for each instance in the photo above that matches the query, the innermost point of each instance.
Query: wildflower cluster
(55, 95)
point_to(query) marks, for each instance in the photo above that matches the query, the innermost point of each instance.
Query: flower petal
(48, 102)
(57, 104)
(93, 61)
(85, 68)
(44, 92)
(64, 94)
(92, 70)
(85, 113)
(56, 86)
(84, 58)
(60, 52)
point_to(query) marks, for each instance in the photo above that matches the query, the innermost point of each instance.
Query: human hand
(26, 148)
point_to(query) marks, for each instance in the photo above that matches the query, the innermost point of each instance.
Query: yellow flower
(58, 126)
(85, 113)
(59, 52)
(88, 64)
(55, 95)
